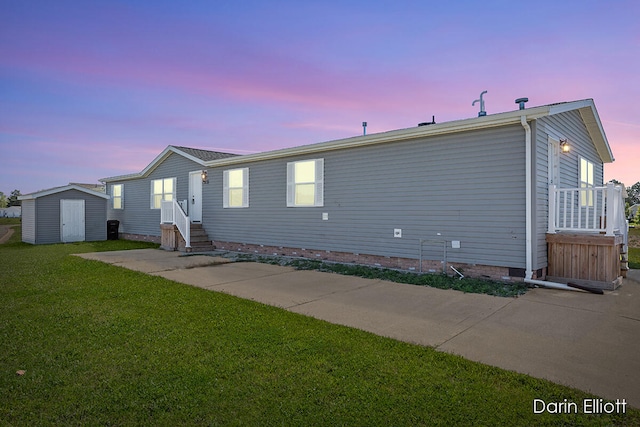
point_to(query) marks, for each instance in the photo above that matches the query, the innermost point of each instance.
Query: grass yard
(634, 251)
(101, 345)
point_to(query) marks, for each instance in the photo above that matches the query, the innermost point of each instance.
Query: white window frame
(164, 193)
(318, 184)
(226, 189)
(586, 197)
(114, 197)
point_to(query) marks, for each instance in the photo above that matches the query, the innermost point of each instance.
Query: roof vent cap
(521, 102)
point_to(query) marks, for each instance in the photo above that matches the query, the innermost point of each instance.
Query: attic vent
(432, 122)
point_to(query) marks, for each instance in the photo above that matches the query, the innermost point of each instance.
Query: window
(235, 191)
(586, 181)
(117, 196)
(162, 189)
(305, 185)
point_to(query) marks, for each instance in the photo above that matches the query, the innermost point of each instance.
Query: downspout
(528, 194)
(528, 278)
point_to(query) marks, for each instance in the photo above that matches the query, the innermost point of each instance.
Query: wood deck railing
(594, 210)
(172, 213)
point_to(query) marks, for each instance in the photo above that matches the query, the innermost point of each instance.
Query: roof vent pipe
(432, 122)
(482, 112)
(364, 128)
(521, 102)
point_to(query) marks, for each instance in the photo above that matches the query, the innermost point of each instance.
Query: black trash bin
(112, 229)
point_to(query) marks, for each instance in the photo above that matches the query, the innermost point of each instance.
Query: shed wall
(29, 221)
(47, 222)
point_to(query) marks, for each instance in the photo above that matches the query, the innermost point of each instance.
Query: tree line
(12, 200)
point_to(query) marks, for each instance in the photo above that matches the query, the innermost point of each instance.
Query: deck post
(612, 207)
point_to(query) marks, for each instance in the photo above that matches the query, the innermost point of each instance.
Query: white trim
(154, 163)
(55, 190)
(226, 188)
(151, 193)
(121, 197)
(585, 199)
(586, 108)
(81, 227)
(195, 214)
(318, 191)
(553, 161)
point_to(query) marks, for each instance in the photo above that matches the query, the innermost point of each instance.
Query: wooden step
(200, 241)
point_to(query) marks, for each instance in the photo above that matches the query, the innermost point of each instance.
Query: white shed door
(72, 220)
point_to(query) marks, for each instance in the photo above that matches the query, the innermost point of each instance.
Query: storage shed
(71, 213)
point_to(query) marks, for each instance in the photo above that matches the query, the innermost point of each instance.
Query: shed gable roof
(55, 190)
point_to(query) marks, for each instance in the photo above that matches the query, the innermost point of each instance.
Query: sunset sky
(91, 89)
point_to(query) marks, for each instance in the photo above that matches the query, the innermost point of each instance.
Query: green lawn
(634, 253)
(102, 345)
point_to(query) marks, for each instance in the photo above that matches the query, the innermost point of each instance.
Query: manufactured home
(71, 213)
(515, 195)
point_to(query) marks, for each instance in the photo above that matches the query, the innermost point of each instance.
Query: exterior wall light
(564, 146)
(205, 177)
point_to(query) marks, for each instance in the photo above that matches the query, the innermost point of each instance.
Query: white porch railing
(172, 213)
(595, 210)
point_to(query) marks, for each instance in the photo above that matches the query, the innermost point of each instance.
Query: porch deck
(587, 239)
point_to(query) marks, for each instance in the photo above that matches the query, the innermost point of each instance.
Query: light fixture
(205, 177)
(564, 146)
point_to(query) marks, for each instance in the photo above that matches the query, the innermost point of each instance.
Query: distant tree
(13, 198)
(633, 194)
(3, 200)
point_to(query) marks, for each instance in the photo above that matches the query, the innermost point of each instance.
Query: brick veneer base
(140, 237)
(428, 266)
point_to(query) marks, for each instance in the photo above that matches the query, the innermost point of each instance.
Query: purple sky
(90, 89)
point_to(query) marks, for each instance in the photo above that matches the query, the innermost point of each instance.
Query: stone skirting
(428, 266)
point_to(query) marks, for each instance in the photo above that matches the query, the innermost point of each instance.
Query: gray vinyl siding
(29, 221)
(137, 217)
(567, 125)
(42, 222)
(468, 186)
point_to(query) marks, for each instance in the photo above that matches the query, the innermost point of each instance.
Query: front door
(195, 196)
(71, 220)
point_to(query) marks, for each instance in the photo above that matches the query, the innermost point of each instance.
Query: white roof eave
(493, 120)
(55, 190)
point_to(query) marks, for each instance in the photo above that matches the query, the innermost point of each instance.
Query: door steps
(200, 241)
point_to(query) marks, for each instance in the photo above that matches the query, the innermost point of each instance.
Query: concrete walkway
(587, 341)
(6, 231)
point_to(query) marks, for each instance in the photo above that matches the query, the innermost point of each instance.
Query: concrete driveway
(587, 341)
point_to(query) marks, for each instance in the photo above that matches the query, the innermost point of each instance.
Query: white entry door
(195, 196)
(72, 220)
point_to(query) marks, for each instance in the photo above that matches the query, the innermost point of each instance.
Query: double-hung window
(117, 196)
(235, 188)
(586, 182)
(162, 189)
(305, 183)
